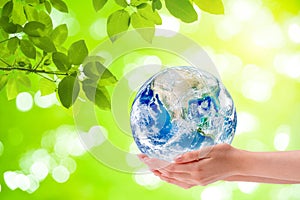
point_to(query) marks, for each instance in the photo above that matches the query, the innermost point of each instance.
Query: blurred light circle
(149, 181)
(24, 101)
(247, 187)
(294, 32)
(23, 182)
(215, 193)
(1, 148)
(34, 184)
(60, 174)
(69, 163)
(45, 101)
(10, 179)
(244, 10)
(282, 138)
(98, 29)
(39, 170)
(169, 23)
(247, 123)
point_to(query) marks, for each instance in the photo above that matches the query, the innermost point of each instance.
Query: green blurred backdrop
(255, 47)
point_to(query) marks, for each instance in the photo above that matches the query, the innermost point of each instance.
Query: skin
(224, 162)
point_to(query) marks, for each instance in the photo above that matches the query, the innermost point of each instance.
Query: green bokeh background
(255, 47)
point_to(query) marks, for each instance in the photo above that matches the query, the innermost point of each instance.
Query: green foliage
(59, 34)
(182, 9)
(78, 52)
(68, 90)
(12, 44)
(150, 15)
(211, 6)
(28, 49)
(61, 61)
(156, 5)
(30, 43)
(122, 3)
(97, 94)
(12, 88)
(46, 86)
(44, 43)
(117, 23)
(59, 5)
(98, 4)
(3, 81)
(144, 27)
(35, 29)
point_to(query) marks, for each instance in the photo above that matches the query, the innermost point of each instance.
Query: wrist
(238, 161)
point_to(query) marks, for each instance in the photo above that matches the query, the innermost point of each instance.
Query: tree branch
(6, 40)
(34, 70)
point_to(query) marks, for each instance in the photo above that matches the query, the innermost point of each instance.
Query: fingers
(194, 155)
(186, 167)
(153, 163)
(142, 156)
(176, 182)
(184, 177)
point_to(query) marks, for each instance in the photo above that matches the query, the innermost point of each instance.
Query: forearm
(270, 165)
(259, 179)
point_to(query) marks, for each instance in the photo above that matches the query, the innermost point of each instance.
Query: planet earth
(181, 109)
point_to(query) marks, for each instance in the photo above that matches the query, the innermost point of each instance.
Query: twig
(46, 78)
(32, 70)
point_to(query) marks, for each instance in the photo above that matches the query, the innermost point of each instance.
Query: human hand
(200, 167)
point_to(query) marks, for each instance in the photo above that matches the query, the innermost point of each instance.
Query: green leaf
(46, 87)
(59, 5)
(144, 27)
(34, 28)
(45, 19)
(149, 14)
(31, 13)
(98, 4)
(13, 44)
(90, 70)
(33, 1)
(137, 2)
(211, 6)
(182, 9)
(44, 43)
(117, 23)
(8, 26)
(61, 61)
(68, 90)
(23, 80)
(3, 80)
(7, 9)
(48, 6)
(122, 3)
(98, 72)
(12, 89)
(28, 49)
(59, 34)
(78, 52)
(98, 95)
(17, 15)
(156, 5)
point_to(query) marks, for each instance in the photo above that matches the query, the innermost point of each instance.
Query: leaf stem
(9, 65)
(39, 62)
(49, 79)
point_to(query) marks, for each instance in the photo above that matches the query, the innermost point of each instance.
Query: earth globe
(181, 109)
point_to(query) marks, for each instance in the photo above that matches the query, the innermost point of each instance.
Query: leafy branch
(29, 41)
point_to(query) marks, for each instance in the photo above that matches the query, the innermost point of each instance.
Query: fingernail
(178, 158)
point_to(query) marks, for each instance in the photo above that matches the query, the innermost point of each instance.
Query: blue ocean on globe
(181, 109)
